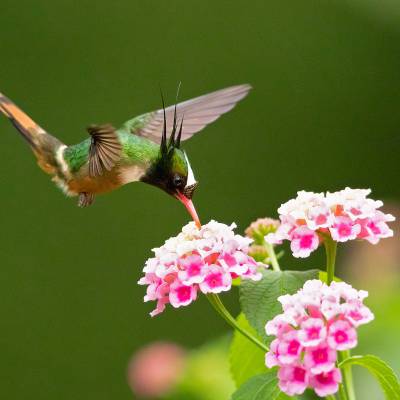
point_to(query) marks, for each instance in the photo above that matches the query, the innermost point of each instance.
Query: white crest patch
(191, 180)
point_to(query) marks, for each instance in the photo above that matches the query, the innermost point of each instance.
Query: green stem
(330, 397)
(342, 391)
(347, 376)
(330, 247)
(346, 389)
(272, 256)
(224, 313)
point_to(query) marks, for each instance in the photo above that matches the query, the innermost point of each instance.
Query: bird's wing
(105, 149)
(196, 114)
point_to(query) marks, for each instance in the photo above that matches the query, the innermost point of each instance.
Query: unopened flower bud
(260, 228)
(258, 252)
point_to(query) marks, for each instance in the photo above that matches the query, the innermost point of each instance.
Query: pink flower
(344, 229)
(192, 269)
(342, 335)
(375, 228)
(279, 325)
(319, 216)
(357, 313)
(303, 241)
(317, 322)
(154, 370)
(293, 379)
(326, 383)
(161, 302)
(345, 215)
(271, 358)
(216, 280)
(282, 233)
(312, 332)
(319, 359)
(202, 259)
(181, 295)
(289, 348)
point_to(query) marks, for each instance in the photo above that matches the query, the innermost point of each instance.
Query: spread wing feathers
(196, 114)
(42, 143)
(105, 149)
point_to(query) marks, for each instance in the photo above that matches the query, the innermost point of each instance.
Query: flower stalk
(342, 392)
(272, 256)
(216, 302)
(347, 376)
(347, 388)
(330, 247)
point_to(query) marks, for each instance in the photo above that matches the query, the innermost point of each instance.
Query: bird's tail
(42, 143)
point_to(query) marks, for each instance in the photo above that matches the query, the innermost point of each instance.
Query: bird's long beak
(190, 207)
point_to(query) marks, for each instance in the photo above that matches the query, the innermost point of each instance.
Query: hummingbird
(146, 148)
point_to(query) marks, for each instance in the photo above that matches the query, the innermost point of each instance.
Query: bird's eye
(178, 181)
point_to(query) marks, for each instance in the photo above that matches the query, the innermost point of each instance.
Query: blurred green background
(324, 113)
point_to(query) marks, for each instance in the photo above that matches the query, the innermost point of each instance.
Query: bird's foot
(85, 199)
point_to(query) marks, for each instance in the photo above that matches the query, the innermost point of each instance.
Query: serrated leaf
(383, 373)
(260, 387)
(259, 299)
(246, 359)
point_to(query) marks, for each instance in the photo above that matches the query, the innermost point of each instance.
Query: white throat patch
(191, 180)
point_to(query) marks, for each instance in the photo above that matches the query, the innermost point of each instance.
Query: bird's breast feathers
(73, 183)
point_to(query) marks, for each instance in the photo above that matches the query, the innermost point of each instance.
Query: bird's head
(171, 170)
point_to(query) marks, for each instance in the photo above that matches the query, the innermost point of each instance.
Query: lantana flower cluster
(204, 259)
(344, 215)
(317, 322)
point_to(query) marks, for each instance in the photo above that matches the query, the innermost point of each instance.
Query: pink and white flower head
(204, 259)
(317, 322)
(344, 215)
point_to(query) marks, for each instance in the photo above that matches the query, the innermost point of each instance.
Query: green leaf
(260, 387)
(382, 372)
(323, 276)
(246, 359)
(259, 299)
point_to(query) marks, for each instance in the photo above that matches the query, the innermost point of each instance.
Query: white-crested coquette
(146, 148)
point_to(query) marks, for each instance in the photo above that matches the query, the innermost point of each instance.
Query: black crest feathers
(105, 149)
(167, 146)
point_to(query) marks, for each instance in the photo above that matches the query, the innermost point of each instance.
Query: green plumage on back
(135, 150)
(135, 124)
(77, 155)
